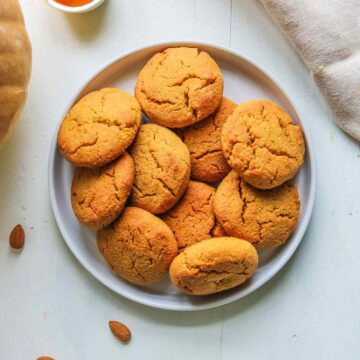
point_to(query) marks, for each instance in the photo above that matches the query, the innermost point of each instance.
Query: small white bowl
(76, 9)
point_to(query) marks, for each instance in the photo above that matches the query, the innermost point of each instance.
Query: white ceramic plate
(243, 81)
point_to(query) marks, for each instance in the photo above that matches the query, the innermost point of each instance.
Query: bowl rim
(283, 259)
(75, 9)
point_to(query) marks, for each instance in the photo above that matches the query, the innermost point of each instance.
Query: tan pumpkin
(15, 65)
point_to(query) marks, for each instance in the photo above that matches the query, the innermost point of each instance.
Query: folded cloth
(326, 33)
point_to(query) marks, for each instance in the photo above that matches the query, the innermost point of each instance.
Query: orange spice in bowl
(74, 2)
(75, 6)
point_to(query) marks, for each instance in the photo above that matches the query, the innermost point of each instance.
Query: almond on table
(120, 331)
(17, 237)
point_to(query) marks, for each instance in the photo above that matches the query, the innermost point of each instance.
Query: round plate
(243, 81)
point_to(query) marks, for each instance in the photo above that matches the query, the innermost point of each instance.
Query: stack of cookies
(196, 189)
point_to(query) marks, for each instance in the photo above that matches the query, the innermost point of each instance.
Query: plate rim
(273, 270)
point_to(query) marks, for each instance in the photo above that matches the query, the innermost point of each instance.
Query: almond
(17, 237)
(120, 331)
(45, 358)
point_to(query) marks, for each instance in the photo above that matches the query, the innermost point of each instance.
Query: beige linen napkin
(326, 33)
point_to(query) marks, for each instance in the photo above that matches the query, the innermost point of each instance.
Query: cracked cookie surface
(162, 168)
(138, 247)
(179, 86)
(214, 265)
(204, 142)
(99, 195)
(262, 144)
(266, 218)
(99, 127)
(192, 219)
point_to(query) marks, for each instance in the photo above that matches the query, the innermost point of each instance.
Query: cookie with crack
(162, 168)
(138, 246)
(192, 219)
(214, 265)
(99, 127)
(99, 195)
(204, 142)
(266, 218)
(262, 144)
(179, 86)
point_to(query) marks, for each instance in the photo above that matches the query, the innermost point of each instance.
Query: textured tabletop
(50, 305)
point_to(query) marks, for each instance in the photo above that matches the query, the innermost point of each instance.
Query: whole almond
(45, 358)
(120, 331)
(17, 237)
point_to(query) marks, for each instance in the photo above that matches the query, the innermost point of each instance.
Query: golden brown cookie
(179, 86)
(162, 168)
(99, 127)
(266, 218)
(214, 265)
(204, 142)
(99, 195)
(262, 144)
(138, 247)
(192, 219)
